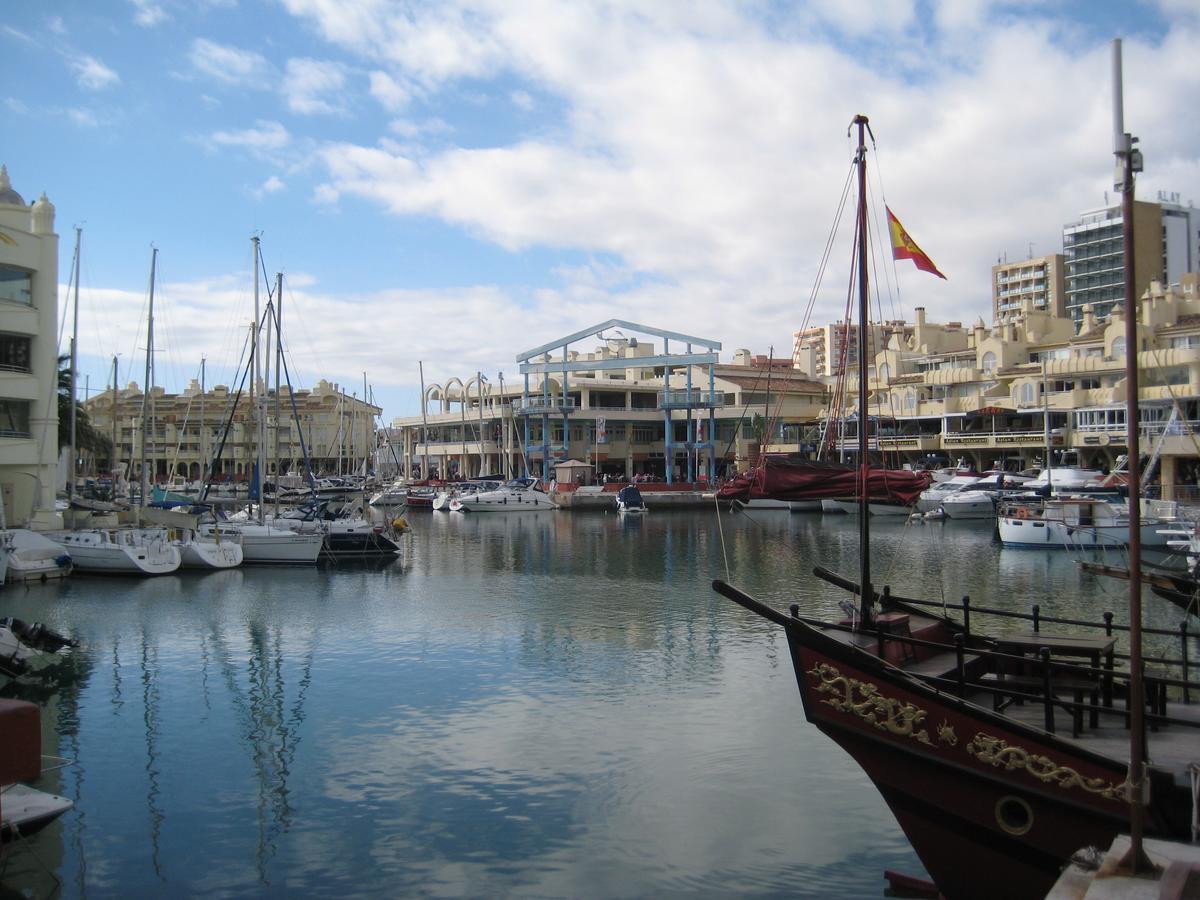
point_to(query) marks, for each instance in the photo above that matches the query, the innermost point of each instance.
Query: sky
(451, 183)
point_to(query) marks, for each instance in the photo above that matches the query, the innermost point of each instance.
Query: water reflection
(551, 704)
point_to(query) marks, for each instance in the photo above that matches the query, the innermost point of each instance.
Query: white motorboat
(875, 507)
(31, 556)
(630, 501)
(518, 495)
(393, 496)
(24, 810)
(119, 551)
(932, 496)
(343, 535)
(26, 648)
(979, 500)
(267, 545)
(1071, 522)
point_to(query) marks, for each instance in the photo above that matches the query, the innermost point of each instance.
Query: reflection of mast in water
(270, 727)
(150, 700)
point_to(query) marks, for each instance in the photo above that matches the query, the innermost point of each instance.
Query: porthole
(1014, 815)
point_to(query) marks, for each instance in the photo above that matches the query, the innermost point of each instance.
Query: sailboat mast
(113, 453)
(145, 479)
(74, 368)
(864, 462)
(203, 430)
(254, 402)
(278, 368)
(1129, 161)
(424, 424)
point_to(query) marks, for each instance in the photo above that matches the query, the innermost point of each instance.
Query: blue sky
(458, 181)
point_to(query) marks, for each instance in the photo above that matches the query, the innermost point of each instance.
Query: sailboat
(101, 545)
(263, 543)
(1000, 755)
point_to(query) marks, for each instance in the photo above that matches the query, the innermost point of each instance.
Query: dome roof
(7, 194)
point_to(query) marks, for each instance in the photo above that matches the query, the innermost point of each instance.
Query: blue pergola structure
(699, 352)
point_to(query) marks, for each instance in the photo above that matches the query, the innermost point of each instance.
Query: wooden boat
(966, 734)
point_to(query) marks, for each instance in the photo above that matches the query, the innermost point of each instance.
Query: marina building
(825, 351)
(186, 432)
(622, 406)
(1041, 282)
(1166, 245)
(28, 358)
(1003, 395)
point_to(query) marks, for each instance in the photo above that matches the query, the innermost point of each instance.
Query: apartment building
(185, 434)
(826, 351)
(1040, 282)
(28, 358)
(1005, 393)
(1166, 246)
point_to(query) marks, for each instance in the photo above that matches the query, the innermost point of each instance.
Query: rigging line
(721, 533)
(890, 272)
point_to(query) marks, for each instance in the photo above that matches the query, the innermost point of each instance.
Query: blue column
(712, 425)
(668, 435)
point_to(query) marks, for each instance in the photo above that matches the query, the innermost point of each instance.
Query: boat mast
(146, 404)
(1129, 161)
(113, 453)
(368, 421)
(864, 462)
(259, 431)
(74, 367)
(203, 435)
(424, 425)
(278, 367)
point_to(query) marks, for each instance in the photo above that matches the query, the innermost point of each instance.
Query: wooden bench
(1013, 685)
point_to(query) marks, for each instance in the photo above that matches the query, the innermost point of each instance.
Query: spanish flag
(904, 247)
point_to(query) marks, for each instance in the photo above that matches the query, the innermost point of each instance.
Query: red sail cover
(778, 479)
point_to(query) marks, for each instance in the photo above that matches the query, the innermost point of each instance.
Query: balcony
(691, 399)
(539, 406)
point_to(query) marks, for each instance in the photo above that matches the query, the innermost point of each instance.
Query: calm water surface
(545, 704)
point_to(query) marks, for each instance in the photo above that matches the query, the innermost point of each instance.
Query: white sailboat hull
(205, 554)
(119, 551)
(502, 501)
(264, 545)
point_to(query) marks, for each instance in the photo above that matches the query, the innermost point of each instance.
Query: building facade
(1036, 383)
(1166, 246)
(28, 359)
(618, 411)
(1040, 282)
(187, 435)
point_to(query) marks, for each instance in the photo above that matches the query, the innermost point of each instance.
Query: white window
(988, 364)
(1118, 346)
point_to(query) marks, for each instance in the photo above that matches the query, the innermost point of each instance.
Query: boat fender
(400, 523)
(63, 559)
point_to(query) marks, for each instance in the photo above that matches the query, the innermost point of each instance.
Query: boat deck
(1171, 746)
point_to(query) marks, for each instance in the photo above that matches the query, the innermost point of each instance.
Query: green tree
(87, 438)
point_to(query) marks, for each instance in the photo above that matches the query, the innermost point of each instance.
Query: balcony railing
(690, 399)
(536, 406)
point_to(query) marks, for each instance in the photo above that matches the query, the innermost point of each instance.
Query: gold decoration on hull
(946, 735)
(864, 700)
(998, 753)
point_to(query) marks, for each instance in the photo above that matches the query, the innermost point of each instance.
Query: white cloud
(521, 100)
(92, 74)
(264, 139)
(17, 34)
(148, 13)
(231, 65)
(272, 185)
(82, 118)
(56, 25)
(13, 105)
(313, 86)
(391, 95)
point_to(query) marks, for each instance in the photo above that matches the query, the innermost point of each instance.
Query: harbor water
(542, 704)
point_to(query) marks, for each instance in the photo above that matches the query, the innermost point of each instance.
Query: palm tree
(87, 438)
